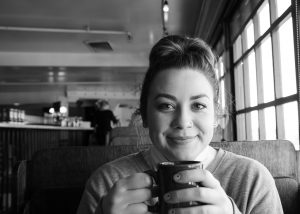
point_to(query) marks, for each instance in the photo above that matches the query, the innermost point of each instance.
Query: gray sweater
(248, 183)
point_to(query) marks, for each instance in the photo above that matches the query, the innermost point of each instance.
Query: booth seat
(123, 131)
(128, 131)
(53, 181)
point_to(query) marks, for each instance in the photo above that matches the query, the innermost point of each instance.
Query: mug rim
(179, 163)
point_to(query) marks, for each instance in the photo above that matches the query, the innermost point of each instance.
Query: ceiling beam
(86, 30)
(73, 59)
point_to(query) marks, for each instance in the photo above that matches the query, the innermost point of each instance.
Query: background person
(179, 105)
(102, 120)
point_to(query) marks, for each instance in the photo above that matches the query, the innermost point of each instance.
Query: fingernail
(171, 212)
(177, 177)
(167, 196)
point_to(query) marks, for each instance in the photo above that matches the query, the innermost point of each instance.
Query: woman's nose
(182, 120)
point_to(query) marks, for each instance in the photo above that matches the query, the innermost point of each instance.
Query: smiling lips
(182, 140)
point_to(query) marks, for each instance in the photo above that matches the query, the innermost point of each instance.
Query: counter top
(36, 126)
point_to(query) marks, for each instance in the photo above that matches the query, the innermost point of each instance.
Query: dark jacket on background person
(102, 121)
(104, 118)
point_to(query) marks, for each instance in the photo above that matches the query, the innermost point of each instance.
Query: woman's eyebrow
(162, 95)
(171, 97)
(199, 96)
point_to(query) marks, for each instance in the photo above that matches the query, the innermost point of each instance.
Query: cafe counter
(41, 126)
(25, 139)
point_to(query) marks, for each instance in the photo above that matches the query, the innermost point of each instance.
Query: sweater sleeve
(249, 184)
(235, 209)
(96, 187)
(102, 180)
(264, 197)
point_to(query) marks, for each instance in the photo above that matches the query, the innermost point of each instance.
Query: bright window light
(254, 133)
(221, 65)
(264, 18)
(287, 58)
(222, 94)
(267, 70)
(237, 48)
(252, 78)
(270, 123)
(291, 123)
(249, 35)
(239, 86)
(241, 127)
(281, 6)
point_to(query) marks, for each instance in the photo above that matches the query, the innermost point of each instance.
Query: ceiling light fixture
(85, 30)
(166, 6)
(165, 15)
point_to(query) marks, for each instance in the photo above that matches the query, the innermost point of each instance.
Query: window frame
(293, 12)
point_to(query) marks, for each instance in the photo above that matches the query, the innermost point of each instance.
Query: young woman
(179, 105)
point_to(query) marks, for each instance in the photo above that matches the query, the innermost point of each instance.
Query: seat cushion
(71, 166)
(279, 156)
(289, 194)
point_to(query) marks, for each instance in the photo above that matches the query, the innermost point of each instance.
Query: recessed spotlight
(166, 8)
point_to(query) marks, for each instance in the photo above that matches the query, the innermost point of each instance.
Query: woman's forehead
(181, 81)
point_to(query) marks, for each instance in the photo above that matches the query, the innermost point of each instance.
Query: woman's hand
(128, 195)
(209, 192)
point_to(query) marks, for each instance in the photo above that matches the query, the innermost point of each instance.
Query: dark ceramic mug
(165, 182)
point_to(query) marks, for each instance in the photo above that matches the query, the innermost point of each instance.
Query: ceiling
(45, 42)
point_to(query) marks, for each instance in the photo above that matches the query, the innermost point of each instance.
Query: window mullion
(260, 95)
(296, 27)
(273, 11)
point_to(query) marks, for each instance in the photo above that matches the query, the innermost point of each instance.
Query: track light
(166, 7)
(165, 15)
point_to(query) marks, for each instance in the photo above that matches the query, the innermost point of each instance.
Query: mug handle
(153, 174)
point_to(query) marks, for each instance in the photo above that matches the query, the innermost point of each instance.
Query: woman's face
(180, 113)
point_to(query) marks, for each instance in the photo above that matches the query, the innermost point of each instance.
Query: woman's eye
(198, 106)
(166, 107)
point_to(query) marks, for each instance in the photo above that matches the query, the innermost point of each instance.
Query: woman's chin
(180, 156)
(184, 153)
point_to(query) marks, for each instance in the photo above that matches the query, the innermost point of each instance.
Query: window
(287, 58)
(263, 18)
(248, 37)
(241, 127)
(291, 123)
(221, 77)
(267, 70)
(282, 6)
(252, 126)
(265, 73)
(250, 80)
(270, 123)
(223, 111)
(239, 86)
(237, 46)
